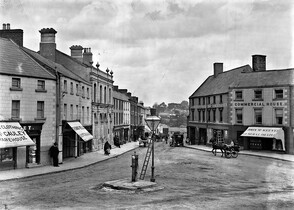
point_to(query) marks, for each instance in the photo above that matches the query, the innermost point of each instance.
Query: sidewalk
(273, 155)
(69, 164)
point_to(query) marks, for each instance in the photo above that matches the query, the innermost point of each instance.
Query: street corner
(128, 185)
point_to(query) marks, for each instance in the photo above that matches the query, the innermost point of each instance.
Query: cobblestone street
(191, 179)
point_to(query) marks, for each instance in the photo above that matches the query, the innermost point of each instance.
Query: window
(65, 111)
(95, 92)
(208, 100)
(203, 101)
(213, 115)
(279, 94)
(65, 86)
(16, 85)
(192, 102)
(258, 94)
(83, 91)
(15, 109)
(258, 116)
(77, 111)
(199, 101)
(199, 115)
(83, 114)
(109, 96)
(208, 115)
(40, 109)
(100, 94)
(6, 154)
(71, 89)
(105, 95)
(220, 99)
(239, 116)
(88, 93)
(279, 116)
(214, 99)
(16, 82)
(41, 85)
(220, 114)
(192, 113)
(88, 114)
(203, 115)
(77, 89)
(71, 112)
(238, 95)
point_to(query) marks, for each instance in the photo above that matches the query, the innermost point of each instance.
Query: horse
(216, 146)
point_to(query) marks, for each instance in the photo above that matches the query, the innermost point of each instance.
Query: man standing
(54, 151)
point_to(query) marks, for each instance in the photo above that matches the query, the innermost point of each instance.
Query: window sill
(40, 91)
(40, 119)
(15, 89)
(257, 99)
(15, 119)
(278, 99)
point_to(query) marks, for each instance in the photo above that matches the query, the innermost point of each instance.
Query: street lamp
(152, 122)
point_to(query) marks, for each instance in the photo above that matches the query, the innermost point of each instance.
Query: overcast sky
(161, 50)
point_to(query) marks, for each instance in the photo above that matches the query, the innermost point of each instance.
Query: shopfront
(76, 139)
(14, 140)
(265, 138)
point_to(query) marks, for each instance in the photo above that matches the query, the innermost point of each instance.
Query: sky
(161, 50)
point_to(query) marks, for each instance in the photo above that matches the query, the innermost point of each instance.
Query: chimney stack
(76, 51)
(217, 68)
(152, 112)
(87, 56)
(259, 62)
(15, 34)
(47, 44)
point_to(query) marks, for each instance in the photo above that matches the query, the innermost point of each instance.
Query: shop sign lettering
(260, 104)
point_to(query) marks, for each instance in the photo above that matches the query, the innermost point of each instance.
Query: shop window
(279, 116)
(40, 86)
(15, 109)
(279, 94)
(238, 95)
(40, 109)
(16, 84)
(258, 94)
(239, 116)
(6, 155)
(258, 116)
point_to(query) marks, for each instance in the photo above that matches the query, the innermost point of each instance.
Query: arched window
(95, 92)
(101, 94)
(105, 95)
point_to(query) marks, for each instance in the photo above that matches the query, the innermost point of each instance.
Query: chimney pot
(4, 26)
(8, 26)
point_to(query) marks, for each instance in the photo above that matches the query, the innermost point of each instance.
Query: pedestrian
(54, 151)
(107, 148)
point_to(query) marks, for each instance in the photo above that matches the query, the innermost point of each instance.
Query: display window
(6, 155)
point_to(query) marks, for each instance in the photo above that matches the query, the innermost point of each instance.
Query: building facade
(230, 104)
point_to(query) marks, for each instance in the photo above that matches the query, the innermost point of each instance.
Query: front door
(33, 152)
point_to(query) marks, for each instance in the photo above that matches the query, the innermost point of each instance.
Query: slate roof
(14, 61)
(244, 77)
(220, 84)
(61, 69)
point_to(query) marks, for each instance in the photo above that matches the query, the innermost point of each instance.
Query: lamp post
(152, 122)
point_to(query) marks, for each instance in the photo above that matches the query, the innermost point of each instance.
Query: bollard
(134, 167)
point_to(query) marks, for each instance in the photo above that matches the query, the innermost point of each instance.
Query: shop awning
(80, 130)
(266, 132)
(13, 135)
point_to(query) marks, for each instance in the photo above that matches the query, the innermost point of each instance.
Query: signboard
(13, 135)
(260, 104)
(80, 130)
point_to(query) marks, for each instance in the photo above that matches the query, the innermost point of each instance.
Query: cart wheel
(228, 153)
(234, 153)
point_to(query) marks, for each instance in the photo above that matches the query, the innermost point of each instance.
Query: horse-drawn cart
(231, 150)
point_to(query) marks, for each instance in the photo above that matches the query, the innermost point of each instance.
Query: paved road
(191, 179)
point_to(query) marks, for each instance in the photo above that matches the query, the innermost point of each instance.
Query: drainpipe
(58, 101)
(290, 144)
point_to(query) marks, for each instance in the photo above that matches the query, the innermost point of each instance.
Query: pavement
(98, 156)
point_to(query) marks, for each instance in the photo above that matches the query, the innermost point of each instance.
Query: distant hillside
(173, 114)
